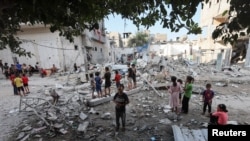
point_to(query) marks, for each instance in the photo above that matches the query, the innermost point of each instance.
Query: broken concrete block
(20, 136)
(25, 138)
(83, 116)
(98, 101)
(27, 128)
(83, 126)
(63, 131)
(92, 111)
(58, 125)
(106, 116)
(232, 122)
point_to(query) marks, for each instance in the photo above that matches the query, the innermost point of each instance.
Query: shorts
(20, 89)
(107, 84)
(25, 85)
(134, 79)
(98, 89)
(130, 79)
(93, 89)
(117, 84)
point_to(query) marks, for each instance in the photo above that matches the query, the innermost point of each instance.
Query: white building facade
(50, 48)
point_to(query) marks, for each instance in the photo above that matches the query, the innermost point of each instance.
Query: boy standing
(107, 77)
(98, 84)
(25, 80)
(207, 97)
(92, 84)
(117, 78)
(121, 100)
(19, 84)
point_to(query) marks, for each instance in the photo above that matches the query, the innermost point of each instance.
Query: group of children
(20, 84)
(96, 82)
(176, 90)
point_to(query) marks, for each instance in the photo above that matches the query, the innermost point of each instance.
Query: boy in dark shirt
(121, 100)
(107, 77)
(207, 96)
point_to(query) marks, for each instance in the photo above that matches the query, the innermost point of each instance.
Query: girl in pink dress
(174, 90)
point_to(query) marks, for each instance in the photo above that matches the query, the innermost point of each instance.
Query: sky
(116, 24)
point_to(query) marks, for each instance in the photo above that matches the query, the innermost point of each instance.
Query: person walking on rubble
(207, 96)
(98, 84)
(121, 100)
(188, 89)
(107, 78)
(174, 90)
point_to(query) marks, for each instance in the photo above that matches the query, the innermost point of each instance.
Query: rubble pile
(148, 114)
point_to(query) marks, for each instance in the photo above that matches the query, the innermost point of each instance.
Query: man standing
(121, 100)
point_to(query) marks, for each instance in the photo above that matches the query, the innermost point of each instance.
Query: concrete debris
(58, 125)
(165, 121)
(27, 128)
(63, 131)
(20, 135)
(75, 111)
(106, 116)
(83, 116)
(92, 111)
(83, 127)
(25, 138)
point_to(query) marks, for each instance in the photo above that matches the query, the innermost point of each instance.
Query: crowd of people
(18, 75)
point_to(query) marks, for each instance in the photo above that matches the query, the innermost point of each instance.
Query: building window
(218, 1)
(227, 1)
(76, 47)
(101, 49)
(95, 48)
(109, 54)
(210, 4)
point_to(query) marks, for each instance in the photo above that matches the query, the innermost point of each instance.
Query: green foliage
(139, 39)
(70, 18)
(238, 24)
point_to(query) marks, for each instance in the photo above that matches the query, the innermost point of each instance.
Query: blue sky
(116, 24)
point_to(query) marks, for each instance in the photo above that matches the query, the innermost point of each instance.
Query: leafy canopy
(139, 39)
(237, 24)
(71, 17)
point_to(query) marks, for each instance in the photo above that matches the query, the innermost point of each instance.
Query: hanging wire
(44, 45)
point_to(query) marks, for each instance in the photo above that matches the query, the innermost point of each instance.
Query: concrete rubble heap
(76, 116)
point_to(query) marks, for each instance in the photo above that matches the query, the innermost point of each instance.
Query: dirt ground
(143, 113)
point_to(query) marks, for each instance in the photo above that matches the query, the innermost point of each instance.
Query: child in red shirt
(220, 117)
(25, 84)
(117, 79)
(12, 78)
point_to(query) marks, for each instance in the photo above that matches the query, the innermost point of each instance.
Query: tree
(238, 23)
(139, 39)
(70, 18)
